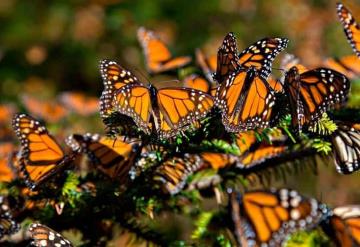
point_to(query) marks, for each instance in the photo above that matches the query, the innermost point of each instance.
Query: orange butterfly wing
(264, 216)
(49, 111)
(207, 64)
(134, 100)
(313, 92)
(197, 82)
(44, 236)
(347, 65)
(114, 77)
(245, 101)
(157, 55)
(79, 103)
(180, 107)
(41, 156)
(351, 28)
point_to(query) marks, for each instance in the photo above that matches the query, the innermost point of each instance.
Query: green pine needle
(321, 146)
(221, 145)
(325, 126)
(201, 225)
(69, 190)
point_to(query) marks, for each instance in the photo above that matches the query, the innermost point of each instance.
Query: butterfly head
(292, 74)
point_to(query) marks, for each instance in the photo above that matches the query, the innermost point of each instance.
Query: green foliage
(321, 146)
(70, 191)
(201, 225)
(220, 146)
(307, 239)
(324, 126)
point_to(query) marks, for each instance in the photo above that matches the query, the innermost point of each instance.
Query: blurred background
(47, 47)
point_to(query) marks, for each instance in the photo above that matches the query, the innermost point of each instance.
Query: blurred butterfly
(346, 148)
(50, 111)
(40, 156)
(7, 172)
(245, 100)
(268, 217)
(79, 103)
(199, 83)
(173, 173)
(259, 55)
(166, 111)
(218, 160)
(113, 157)
(157, 56)
(207, 64)
(289, 60)
(6, 113)
(347, 65)
(43, 236)
(351, 28)
(343, 226)
(8, 225)
(314, 92)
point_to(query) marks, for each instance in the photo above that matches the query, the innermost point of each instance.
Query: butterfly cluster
(235, 118)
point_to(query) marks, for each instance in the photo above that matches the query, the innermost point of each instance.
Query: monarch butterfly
(347, 65)
(8, 225)
(166, 111)
(113, 157)
(343, 226)
(41, 156)
(346, 148)
(245, 101)
(7, 174)
(51, 112)
(6, 111)
(79, 103)
(267, 217)
(207, 64)
(351, 28)
(157, 56)
(172, 173)
(259, 55)
(198, 83)
(254, 152)
(313, 92)
(43, 236)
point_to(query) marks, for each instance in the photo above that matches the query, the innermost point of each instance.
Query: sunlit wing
(41, 156)
(347, 65)
(197, 82)
(79, 103)
(245, 100)
(207, 64)
(114, 77)
(181, 107)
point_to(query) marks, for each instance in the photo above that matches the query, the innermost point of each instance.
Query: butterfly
(50, 111)
(314, 92)
(8, 225)
(7, 172)
(268, 217)
(347, 65)
(217, 161)
(6, 112)
(43, 236)
(351, 28)
(245, 100)
(346, 148)
(343, 226)
(79, 103)
(198, 83)
(113, 157)
(157, 56)
(40, 155)
(255, 152)
(259, 55)
(166, 111)
(173, 173)
(207, 64)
